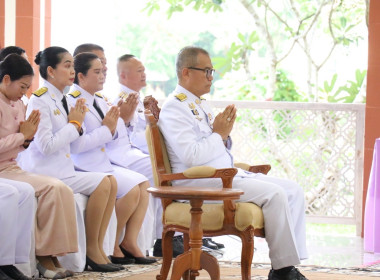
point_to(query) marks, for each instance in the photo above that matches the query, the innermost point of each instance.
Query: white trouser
(283, 205)
(16, 219)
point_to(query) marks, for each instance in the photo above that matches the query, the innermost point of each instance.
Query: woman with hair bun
(49, 153)
(55, 230)
(104, 127)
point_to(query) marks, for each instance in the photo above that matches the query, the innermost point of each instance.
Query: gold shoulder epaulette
(202, 98)
(40, 91)
(75, 93)
(181, 97)
(99, 95)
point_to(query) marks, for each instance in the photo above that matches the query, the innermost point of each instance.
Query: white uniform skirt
(126, 179)
(85, 182)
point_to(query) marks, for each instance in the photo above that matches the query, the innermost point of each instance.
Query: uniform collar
(53, 91)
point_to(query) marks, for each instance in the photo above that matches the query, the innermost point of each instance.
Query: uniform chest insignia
(123, 95)
(192, 106)
(40, 91)
(197, 101)
(57, 112)
(195, 112)
(198, 118)
(181, 97)
(209, 116)
(97, 94)
(75, 93)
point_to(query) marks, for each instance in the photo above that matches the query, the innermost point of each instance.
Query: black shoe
(100, 267)
(293, 274)
(219, 245)
(178, 248)
(13, 272)
(119, 260)
(138, 260)
(207, 242)
(3, 276)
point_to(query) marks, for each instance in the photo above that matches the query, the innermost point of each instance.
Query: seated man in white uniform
(16, 221)
(132, 79)
(195, 137)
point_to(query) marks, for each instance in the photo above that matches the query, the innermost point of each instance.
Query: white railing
(318, 145)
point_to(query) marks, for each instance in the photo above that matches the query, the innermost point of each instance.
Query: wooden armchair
(244, 220)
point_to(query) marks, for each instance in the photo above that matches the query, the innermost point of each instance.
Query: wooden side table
(191, 259)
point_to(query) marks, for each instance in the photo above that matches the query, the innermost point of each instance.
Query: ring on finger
(228, 119)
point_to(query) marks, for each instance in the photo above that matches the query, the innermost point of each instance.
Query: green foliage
(285, 89)
(345, 93)
(232, 60)
(336, 28)
(179, 5)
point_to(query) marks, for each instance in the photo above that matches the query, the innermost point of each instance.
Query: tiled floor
(325, 249)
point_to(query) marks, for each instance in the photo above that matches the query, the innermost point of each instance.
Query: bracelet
(77, 123)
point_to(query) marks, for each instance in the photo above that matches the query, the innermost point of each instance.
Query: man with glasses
(195, 137)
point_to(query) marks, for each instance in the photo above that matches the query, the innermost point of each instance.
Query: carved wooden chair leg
(186, 246)
(210, 264)
(167, 254)
(246, 254)
(186, 240)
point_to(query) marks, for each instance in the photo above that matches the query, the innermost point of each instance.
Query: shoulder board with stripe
(75, 93)
(98, 95)
(40, 91)
(181, 97)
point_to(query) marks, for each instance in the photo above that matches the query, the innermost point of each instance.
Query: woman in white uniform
(55, 232)
(103, 125)
(16, 220)
(49, 153)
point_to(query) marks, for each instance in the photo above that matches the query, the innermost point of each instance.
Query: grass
(331, 229)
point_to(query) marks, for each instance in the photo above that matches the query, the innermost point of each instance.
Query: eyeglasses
(209, 71)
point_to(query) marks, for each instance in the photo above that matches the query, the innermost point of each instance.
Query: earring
(52, 76)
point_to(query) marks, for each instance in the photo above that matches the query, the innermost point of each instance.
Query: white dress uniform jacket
(137, 125)
(186, 123)
(49, 153)
(89, 152)
(112, 154)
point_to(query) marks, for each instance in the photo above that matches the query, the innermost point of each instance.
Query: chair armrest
(202, 172)
(264, 168)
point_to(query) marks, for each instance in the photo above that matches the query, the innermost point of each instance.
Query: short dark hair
(125, 57)
(50, 56)
(82, 63)
(187, 57)
(88, 47)
(15, 66)
(10, 49)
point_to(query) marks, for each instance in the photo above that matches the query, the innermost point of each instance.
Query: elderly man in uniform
(132, 79)
(195, 137)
